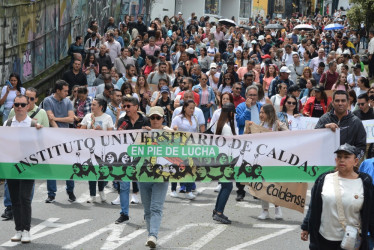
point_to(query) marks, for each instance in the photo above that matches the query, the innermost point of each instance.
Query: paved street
(186, 224)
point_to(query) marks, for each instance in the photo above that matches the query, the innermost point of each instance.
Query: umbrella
(334, 26)
(227, 22)
(274, 26)
(304, 27)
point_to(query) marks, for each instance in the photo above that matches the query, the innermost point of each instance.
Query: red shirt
(238, 99)
(196, 97)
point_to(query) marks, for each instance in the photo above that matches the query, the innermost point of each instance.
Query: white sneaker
(102, 196)
(218, 188)
(117, 201)
(190, 196)
(278, 213)
(151, 242)
(92, 199)
(174, 194)
(264, 215)
(134, 199)
(26, 237)
(17, 236)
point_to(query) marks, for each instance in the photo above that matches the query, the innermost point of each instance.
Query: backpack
(9, 123)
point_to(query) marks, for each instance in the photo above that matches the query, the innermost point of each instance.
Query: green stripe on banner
(141, 173)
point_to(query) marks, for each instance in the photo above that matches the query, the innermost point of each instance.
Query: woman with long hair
(159, 40)
(270, 74)
(144, 92)
(91, 69)
(341, 83)
(225, 126)
(97, 120)
(317, 105)
(352, 99)
(307, 58)
(186, 122)
(166, 51)
(204, 60)
(307, 75)
(9, 92)
(126, 89)
(150, 65)
(363, 85)
(217, 59)
(289, 112)
(227, 83)
(207, 97)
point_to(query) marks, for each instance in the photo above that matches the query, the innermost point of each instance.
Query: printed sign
(369, 127)
(158, 156)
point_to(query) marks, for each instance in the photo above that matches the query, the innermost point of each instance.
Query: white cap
(180, 13)
(254, 42)
(213, 65)
(190, 51)
(285, 69)
(261, 38)
(253, 27)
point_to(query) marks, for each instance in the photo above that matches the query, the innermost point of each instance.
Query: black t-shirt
(364, 116)
(168, 114)
(318, 110)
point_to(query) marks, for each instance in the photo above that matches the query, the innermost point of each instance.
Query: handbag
(352, 238)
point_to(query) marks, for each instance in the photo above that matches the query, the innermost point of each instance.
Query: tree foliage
(362, 11)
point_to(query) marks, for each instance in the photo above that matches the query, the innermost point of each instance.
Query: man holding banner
(352, 130)
(21, 190)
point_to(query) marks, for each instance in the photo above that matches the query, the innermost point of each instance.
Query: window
(211, 7)
(245, 8)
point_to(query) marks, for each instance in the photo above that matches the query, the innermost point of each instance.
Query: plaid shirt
(327, 46)
(82, 108)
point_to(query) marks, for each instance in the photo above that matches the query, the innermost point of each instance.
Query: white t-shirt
(226, 89)
(276, 100)
(104, 121)
(198, 113)
(215, 118)
(11, 95)
(352, 192)
(211, 82)
(184, 125)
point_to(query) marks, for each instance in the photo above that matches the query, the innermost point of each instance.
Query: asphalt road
(186, 224)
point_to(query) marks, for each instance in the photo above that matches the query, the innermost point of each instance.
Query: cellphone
(9, 84)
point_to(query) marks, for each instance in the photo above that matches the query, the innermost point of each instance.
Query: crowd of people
(193, 74)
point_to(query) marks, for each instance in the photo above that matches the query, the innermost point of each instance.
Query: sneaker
(239, 197)
(72, 197)
(92, 199)
(50, 199)
(278, 213)
(134, 199)
(26, 237)
(190, 196)
(222, 215)
(122, 218)
(8, 214)
(152, 241)
(117, 201)
(102, 196)
(218, 188)
(174, 194)
(182, 189)
(221, 218)
(17, 237)
(264, 215)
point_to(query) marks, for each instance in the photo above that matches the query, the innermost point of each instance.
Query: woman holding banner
(341, 210)
(317, 105)
(224, 126)
(289, 112)
(97, 120)
(270, 121)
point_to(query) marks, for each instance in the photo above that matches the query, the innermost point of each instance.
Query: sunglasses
(17, 104)
(371, 92)
(155, 117)
(31, 98)
(360, 104)
(128, 106)
(227, 78)
(291, 103)
(238, 88)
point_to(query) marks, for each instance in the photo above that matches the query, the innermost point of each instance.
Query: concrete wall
(160, 8)
(230, 8)
(189, 6)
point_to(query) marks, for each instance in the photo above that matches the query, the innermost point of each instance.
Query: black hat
(356, 66)
(347, 148)
(228, 107)
(319, 89)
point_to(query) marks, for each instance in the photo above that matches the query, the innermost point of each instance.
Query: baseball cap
(157, 110)
(261, 37)
(347, 148)
(213, 65)
(164, 89)
(346, 53)
(254, 42)
(180, 13)
(285, 69)
(190, 51)
(253, 27)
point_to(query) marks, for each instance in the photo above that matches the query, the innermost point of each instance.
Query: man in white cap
(284, 73)
(316, 60)
(213, 75)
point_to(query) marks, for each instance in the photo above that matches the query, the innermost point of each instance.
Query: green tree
(362, 11)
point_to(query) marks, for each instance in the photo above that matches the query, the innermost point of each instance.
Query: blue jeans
(7, 201)
(52, 187)
(223, 196)
(188, 185)
(206, 112)
(124, 196)
(153, 197)
(92, 186)
(6, 114)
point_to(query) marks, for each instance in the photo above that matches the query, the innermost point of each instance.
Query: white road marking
(286, 229)
(113, 241)
(48, 223)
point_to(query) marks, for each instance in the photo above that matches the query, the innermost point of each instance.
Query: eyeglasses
(153, 117)
(17, 104)
(291, 103)
(360, 104)
(227, 78)
(31, 98)
(371, 92)
(128, 106)
(238, 88)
